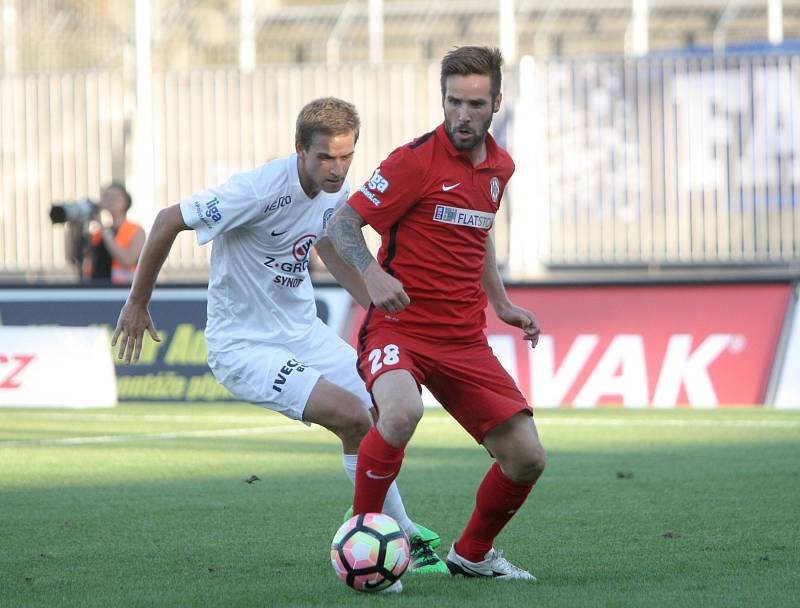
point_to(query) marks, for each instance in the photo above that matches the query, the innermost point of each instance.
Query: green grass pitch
(147, 505)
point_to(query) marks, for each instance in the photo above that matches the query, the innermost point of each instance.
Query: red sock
(497, 501)
(378, 465)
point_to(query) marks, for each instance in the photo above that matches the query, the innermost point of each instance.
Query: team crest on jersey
(302, 247)
(494, 189)
(326, 217)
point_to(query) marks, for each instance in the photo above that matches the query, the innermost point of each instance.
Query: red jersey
(434, 210)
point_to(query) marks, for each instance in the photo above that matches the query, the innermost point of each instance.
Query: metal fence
(683, 160)
(213, 122)
(61, 137)
(678, 160)
(41, 35)
(64, 136)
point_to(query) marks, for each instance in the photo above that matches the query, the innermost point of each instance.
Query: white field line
(77, 416)
(543, 421)
(623, 422)
(263, 430)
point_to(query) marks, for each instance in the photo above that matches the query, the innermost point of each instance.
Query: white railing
(683, 160)
(678, 160)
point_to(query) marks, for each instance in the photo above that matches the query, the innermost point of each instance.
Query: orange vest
(120, 274)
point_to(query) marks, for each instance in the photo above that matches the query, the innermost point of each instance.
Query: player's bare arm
(506, 311)
(134, 318)
(344, 231)
(345, 274)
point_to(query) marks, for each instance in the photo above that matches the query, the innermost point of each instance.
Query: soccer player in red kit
(433, 201)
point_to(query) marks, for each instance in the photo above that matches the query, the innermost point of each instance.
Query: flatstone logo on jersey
(494, 189)
(463, 217)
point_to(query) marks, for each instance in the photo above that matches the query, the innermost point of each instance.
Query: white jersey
(263, 226)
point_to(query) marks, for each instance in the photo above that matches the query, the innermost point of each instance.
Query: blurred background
(652, 138)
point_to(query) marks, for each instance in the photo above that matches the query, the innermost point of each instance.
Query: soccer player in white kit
(264, 340)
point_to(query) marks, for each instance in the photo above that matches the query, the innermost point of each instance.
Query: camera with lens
(75, 212)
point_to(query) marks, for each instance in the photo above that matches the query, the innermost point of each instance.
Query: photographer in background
(114, 246)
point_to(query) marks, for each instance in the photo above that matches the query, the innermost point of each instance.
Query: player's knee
(352, 423)
(527, 466)
(399, 425)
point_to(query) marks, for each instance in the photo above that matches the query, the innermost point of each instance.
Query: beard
(476, 136)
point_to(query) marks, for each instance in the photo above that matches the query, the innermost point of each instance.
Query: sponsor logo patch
(378, 182)
(212, 210)
(372, 198)
(463, 217)
(210, 214)
(281, 201)
(284, 281)
(291, 366)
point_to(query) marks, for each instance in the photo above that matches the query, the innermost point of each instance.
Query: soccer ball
(370, 552)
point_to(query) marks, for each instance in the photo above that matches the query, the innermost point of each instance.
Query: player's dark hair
(467, 60)
(329, 116)
(123, 191)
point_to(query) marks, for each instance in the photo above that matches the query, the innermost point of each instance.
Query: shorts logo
(212, 210)
(494, 189)
(302, 247)
(326, 217)
(291, 366)
(372, 475)
(463, 217)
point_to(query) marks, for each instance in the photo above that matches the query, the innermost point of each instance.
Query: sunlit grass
(148, 505)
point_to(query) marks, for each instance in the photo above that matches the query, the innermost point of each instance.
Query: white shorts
(281, 377)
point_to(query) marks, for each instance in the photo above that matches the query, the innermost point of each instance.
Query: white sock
(393, 505)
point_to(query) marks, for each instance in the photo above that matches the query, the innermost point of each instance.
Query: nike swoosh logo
(372, 475)
(446, 188)
(471, 572)
(273, 233)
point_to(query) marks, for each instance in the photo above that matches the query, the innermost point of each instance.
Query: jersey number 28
(390, 353)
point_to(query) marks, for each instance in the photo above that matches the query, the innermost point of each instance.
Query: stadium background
(656, 142)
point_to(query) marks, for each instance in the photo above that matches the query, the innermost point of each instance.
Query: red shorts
(465, 377)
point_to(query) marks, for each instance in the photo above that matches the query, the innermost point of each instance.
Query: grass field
(147, 505)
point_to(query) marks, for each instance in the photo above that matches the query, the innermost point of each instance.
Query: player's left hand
(524, 319)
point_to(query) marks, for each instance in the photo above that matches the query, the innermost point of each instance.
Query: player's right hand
(133, 321)
(385, 292)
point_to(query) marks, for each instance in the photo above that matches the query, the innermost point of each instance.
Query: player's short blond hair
(327, 115)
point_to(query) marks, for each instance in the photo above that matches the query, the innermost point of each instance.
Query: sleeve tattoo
(344, 231)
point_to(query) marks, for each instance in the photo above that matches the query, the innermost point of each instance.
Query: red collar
(491, 149)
